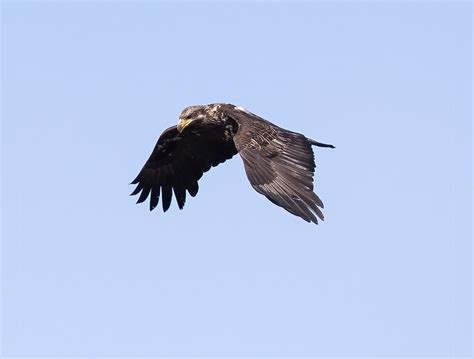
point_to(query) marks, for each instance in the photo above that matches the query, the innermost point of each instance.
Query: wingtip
(136, 191)
(316, 222)
(136, 180)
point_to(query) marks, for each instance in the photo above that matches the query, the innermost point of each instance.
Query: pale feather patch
(213, 109)
(243, 109)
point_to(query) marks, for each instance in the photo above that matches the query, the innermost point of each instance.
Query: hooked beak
(182, 124)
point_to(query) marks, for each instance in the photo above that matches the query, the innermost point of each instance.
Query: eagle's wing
(279, 164)
(176, 164)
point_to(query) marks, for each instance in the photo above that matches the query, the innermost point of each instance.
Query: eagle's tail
(319, 144)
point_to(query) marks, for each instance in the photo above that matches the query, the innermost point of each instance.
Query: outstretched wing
(279, 164)
(176, 164)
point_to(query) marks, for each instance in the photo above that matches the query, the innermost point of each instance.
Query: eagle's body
(279, 163)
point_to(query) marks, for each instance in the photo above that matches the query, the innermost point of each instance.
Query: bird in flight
(279, 163)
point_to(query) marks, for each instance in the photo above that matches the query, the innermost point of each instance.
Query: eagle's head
(192, 114)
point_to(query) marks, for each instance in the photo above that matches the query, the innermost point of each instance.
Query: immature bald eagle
(279, 163)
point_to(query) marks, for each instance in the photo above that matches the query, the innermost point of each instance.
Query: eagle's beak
(182, 124)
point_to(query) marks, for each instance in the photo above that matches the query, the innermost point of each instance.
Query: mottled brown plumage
(279, 163)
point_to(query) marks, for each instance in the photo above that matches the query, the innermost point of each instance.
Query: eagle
(279, 163)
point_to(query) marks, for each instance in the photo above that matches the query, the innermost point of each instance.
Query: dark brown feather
(279, 164)
(176, 164)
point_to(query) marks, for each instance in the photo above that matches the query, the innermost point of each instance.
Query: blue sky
(87, 88)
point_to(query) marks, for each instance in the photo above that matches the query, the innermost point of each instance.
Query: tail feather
(319, 144)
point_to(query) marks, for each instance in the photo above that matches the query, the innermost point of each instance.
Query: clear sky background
(87, 88)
